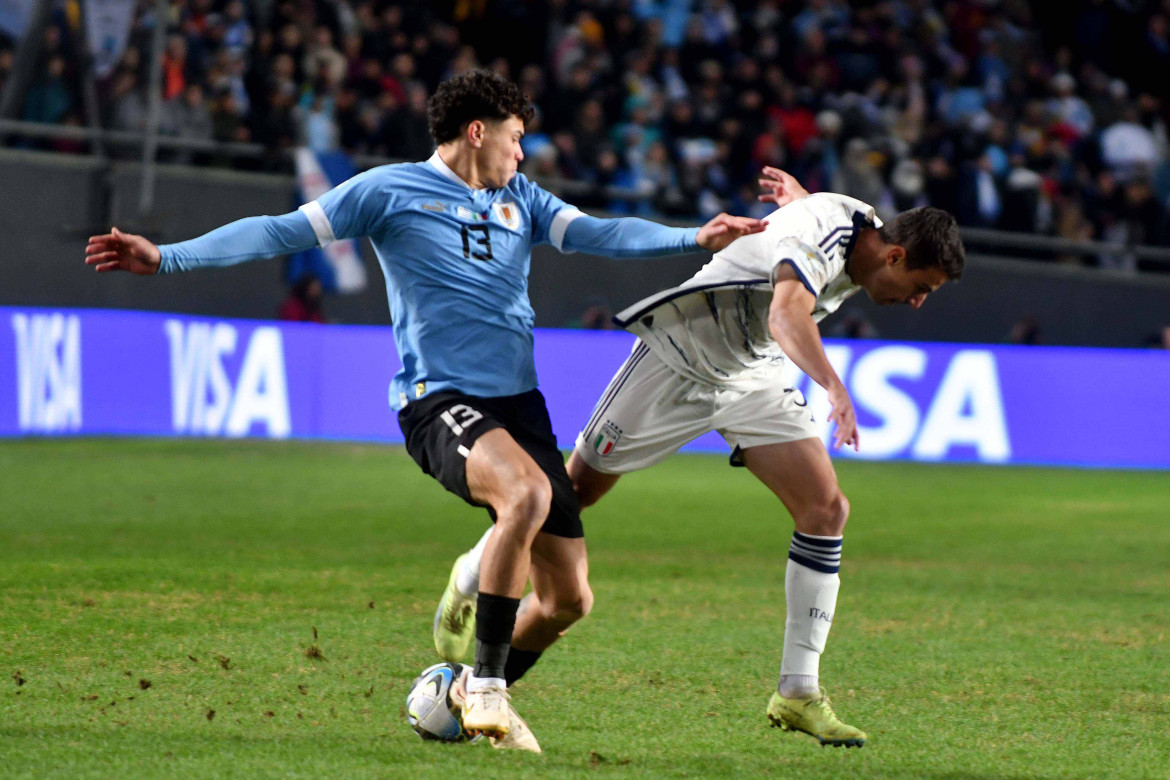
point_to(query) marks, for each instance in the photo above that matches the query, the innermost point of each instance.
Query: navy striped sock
(819, 553)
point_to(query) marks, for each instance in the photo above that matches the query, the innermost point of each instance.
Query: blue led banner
(84, 372)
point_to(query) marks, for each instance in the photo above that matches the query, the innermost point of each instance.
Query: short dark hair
(477, 94)
(930, 237)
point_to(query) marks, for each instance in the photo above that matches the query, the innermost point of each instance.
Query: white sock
(467, 581)
(811, 583)
(477, 684)
(799, 686)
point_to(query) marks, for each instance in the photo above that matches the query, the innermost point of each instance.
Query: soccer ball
(429, 708)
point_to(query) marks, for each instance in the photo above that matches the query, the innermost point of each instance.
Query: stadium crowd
(1008, 118)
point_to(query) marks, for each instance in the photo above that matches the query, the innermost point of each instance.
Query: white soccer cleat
(484, 712)
(519, 737)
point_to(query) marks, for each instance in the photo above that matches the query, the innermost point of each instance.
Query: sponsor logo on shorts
(607, 438)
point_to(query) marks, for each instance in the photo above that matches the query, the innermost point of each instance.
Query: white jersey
(714, 327)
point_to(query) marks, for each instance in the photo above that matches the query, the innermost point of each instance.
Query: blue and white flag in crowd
(107, 27)
(339, 265)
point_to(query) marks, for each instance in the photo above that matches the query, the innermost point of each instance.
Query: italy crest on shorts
(607, 438)
(508, 214)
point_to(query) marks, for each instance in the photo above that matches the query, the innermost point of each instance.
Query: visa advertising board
(122, 373)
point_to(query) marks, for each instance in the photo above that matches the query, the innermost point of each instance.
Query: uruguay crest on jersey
(508, 214)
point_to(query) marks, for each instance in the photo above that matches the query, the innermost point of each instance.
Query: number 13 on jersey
(479, 246)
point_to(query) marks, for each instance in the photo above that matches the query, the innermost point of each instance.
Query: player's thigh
(502, 475)
(560, 574)
(800, 473)
(645, 414)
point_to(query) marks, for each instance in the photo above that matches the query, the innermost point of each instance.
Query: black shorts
(441, 428)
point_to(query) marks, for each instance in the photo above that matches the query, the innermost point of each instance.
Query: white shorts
(649, 411)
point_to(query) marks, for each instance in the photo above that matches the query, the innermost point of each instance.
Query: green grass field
(158, 603)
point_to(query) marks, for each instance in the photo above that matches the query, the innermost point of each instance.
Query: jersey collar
(437, 163)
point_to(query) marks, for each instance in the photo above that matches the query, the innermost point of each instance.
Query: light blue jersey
(456, 262)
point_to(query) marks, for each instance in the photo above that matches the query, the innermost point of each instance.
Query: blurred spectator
(174, 67)
(187, 116)
(407, 134)
(49, 98)
(1013, 122)
(128, 110)
(304, 301)
(319, 131)
(1069, 108)
(1128, 147)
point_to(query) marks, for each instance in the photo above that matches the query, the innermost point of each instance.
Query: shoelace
(826, 706)
(495, 699)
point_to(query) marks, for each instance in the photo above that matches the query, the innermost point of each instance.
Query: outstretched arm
(634, 237)
(246, 239)
(791, 323)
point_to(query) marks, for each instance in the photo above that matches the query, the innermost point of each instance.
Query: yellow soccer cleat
(454, 626)
(814, 717)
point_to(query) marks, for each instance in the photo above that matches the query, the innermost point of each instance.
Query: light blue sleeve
(627, 237)
(569, 230)
(354, 208)
(246, 239)
(543, 208)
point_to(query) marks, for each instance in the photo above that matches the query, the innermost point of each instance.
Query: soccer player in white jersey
(453, 236)
(709, 357)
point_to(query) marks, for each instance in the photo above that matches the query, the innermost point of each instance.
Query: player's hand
(783, 188)
(724, 229)
(118, 251)
(844, 416)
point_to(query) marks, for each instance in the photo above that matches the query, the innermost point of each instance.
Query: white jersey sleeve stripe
(322, 228)
(560, 223)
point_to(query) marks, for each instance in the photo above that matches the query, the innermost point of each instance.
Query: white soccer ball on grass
(429, 707)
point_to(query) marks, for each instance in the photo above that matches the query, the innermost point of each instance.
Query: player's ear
(895, 255)
(475, 132)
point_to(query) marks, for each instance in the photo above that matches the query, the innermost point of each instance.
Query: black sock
(519, 662)
(495, 617)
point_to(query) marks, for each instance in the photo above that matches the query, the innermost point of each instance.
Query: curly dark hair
(477, 94)
(930, 237)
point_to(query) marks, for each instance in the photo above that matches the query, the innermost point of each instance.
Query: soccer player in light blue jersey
(454, 236)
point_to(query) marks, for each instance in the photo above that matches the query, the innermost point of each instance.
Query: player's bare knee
(836, 515)
(568, 611)
(825, 518)
(579, 605)
(527, 501)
